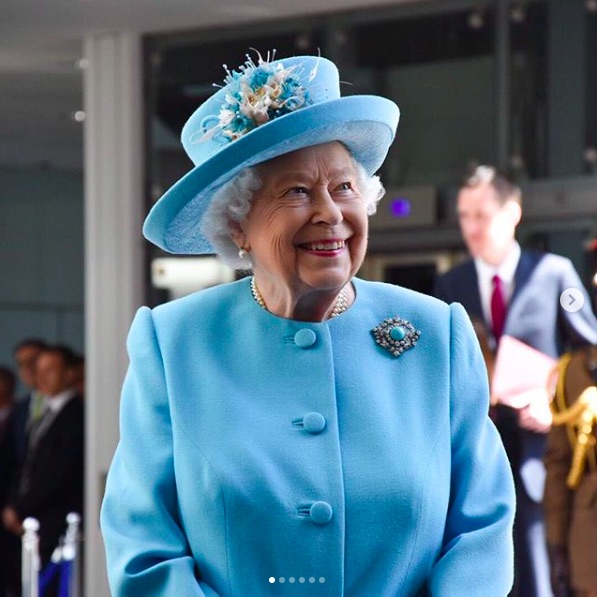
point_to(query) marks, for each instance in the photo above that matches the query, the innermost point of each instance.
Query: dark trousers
(531, 562)
(10, 564)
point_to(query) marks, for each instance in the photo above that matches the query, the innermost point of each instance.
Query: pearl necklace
(340, 306)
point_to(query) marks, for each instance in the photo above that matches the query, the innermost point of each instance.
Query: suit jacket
(254, 448)
(21, 418)
(535, 317)
(51, 481)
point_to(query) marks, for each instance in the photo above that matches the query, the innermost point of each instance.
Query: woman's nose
(326, 210)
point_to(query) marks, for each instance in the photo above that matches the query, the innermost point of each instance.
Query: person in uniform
(571, 462)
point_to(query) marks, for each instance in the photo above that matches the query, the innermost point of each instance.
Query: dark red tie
(498, 307)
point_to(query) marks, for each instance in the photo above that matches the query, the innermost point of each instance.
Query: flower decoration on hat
(396, 335)
(256, 94)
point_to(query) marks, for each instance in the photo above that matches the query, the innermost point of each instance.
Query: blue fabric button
(314, 423)
(305, 338)
(397, 333)
(321, 512)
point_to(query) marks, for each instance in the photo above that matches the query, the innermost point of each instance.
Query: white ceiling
(41, 86)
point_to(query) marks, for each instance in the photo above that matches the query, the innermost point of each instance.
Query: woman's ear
(237, 234)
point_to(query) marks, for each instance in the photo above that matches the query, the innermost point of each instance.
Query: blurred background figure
(571, 485)
(7, 445)
(571, 462)
(510, 291)
(29, 406)
(50, 484)
(8, 470)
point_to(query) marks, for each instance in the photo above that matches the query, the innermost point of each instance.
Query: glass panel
(440, 70)
(566, 29)
(528, 92)
(590, 153)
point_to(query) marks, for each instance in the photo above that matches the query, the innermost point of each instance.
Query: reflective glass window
(440, 70)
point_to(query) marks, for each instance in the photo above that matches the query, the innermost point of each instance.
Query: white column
(114, 265)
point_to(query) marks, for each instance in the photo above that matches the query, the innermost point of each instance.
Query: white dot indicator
(302, 579)
(291, 579)
(272, 580)
(311, 579)
(321, 579)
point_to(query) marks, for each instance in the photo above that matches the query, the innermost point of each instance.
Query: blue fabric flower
(258, 93)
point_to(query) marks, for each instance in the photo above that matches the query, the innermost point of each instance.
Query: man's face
(487, 225)
(52, 374)
(26, 357)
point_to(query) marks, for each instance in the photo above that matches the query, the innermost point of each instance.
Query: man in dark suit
(517, 293)
(28, 407)
(51, 481)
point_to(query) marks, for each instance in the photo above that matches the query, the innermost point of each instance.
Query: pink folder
(518, 370)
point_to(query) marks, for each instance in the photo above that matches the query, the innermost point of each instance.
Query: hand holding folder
(521, 374)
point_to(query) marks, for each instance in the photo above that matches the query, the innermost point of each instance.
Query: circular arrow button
(572, 299)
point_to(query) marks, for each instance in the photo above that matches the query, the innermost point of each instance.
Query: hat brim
(365, 124)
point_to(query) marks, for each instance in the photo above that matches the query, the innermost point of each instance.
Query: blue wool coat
(265, 456)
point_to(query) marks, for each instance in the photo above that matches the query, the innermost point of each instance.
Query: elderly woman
(300, 431)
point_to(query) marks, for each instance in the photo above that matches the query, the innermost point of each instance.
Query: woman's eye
(297, 191)
(345, 186)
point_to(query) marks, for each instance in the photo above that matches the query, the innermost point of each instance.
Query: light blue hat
(265, 110)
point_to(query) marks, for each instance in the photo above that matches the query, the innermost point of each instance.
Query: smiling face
(307, 228)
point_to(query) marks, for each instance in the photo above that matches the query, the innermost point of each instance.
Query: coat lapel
(526, 265)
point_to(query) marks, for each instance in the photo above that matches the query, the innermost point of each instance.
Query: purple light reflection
(400, 208)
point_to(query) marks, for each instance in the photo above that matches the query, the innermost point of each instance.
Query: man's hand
(536, 415)
(11, 521)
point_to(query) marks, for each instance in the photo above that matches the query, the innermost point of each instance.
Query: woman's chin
(332, 280)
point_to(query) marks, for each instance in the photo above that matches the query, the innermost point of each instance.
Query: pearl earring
(243, 254)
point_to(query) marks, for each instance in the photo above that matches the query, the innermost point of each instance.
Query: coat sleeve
(146, 548)
(580, 327)
(477, 555)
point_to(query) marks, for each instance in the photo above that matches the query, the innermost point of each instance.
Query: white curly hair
(232, 203)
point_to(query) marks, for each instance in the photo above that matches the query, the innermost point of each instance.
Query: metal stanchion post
(30, 561)
(71, 553)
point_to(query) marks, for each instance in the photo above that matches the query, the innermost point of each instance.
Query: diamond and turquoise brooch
(396, 335)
